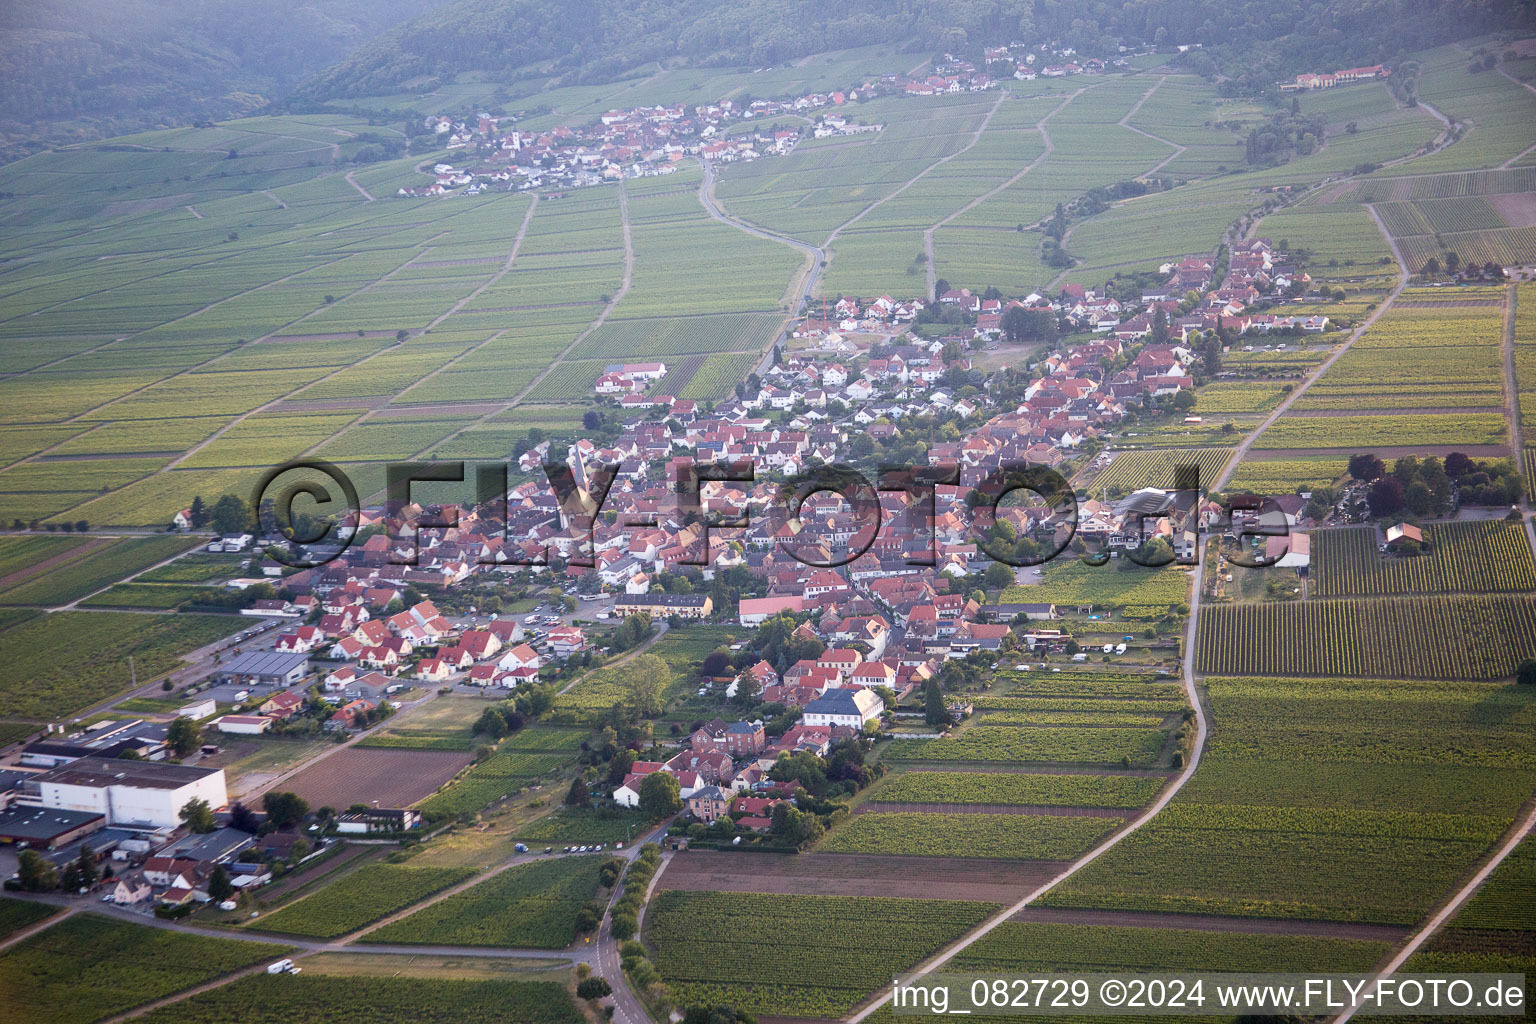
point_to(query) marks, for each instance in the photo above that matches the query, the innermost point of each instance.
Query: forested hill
(84, 69)
(600, 40)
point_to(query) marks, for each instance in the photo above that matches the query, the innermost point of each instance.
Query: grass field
(531, 754)
(447, 723)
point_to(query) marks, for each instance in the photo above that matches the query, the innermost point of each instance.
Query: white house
(521, 656)
(843, 707)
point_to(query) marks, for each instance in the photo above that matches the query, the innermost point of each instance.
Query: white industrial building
(146, 794)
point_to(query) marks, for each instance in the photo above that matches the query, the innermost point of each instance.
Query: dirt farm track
(838, 874)
(393, 778)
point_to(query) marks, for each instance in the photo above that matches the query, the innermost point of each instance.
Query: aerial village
(876, 613)
(646, 141)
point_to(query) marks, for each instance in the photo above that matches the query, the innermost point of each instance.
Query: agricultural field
(393, 777)
(18, 914)
(532, 906)
(1524, 298)
(1473, 637)
(358, 899)
(824, 962)
(1016, 789)
(195, 568)
(95, 570)
(67, 661)
(1495, 930)
(576, 825)
(1225, 398)
(1334, 238)
(602, 689)
(1482, 556)
(1158, 467)
(265, 999)
(1139, 748)
(447, 723)
(718, 375)
(1287, 476)
(19, 555)
(1119, 585)
(1403, 362)
(88, 967)
(1357, 433)
(1028, 946)
(1347, 799)
(528, 756)
(1379, 188)
(1502, 111)
(1009, 836)
(157, 596)
(1507, 901)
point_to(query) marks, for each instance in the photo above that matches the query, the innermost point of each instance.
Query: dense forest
(1249, 41)
(86, 69)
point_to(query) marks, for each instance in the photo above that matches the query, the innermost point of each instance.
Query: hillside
(599, 40)
(76, 70)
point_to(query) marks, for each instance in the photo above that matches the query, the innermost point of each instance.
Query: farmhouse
(851, 708)
(1404, 537)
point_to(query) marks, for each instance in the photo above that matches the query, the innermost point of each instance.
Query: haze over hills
(77, 69)
(599, 40)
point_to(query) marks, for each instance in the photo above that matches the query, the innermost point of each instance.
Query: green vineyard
(1472, 557)
(1159, 467)
(825, 959)
(1394, 638)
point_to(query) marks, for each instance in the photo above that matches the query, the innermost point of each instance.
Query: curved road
(809, 276)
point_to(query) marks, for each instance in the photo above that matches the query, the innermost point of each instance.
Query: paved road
(604, 957)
